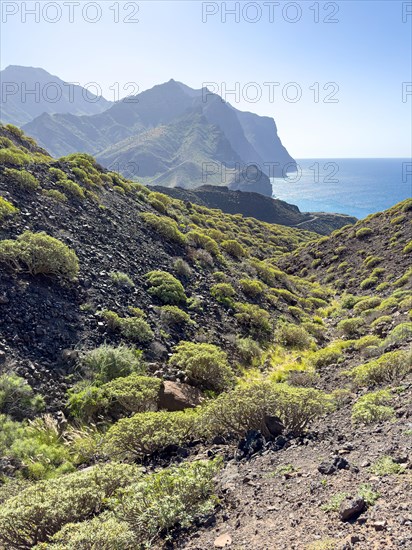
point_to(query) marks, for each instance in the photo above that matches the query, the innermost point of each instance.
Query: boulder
(274, 425)
(176, 396)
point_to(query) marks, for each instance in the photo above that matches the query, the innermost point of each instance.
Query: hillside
(173, 376)
(19, 105)
(152, 136)
(266, 209)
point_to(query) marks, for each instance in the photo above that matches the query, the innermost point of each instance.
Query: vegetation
(39, 254)
(373, 407)
(166, 288)
(22, 178)
(6, 209)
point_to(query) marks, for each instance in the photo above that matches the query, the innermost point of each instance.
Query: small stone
(351, 507)
(223, 541)
(379, 525)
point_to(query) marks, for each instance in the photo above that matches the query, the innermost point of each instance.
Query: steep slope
(257, 206)
(116, 133)
(165, 384)
(19, 105)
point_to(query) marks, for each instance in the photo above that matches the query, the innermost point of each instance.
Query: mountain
(153, 136)
(18, 105)
(174, 376)
(255, 205)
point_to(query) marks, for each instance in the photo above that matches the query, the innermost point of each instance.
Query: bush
(108, 362)
(408, 248)
(145, 433)
(134, 329)
(388, 368)
(166, 287)
(369, 282)
(182, 268)
(363, 233)
(165, 227)
(21, 178)
(246, 407)
(367, 303)
(292, 336)
(372, 407)
(41, 510)
(6, 209)
(121, 279)
(14, 156)
(223, 293)
(37, 253)
(200, 240)
(386, 466)
(176, 495)
(372, 261)
(55, 195)
(401, 333)
(350, 327)
(205, 365)
(249, 350)
(255, 321)
(17, 397)
(233, 248)
(173, 316)
(251, 287)
(326, 356)
(130, 394)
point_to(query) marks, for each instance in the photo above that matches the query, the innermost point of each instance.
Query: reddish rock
(176, 396)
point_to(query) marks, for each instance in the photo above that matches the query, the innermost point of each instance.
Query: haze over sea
(357, 187)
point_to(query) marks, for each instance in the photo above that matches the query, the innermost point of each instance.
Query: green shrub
(251, 287)
(246, 407)
(38, 253)
(41, 510)
(165, 227)
(166, 288)
(145, 433)
(350, 327)
(367, 303)
(21, 178)
(254, 320)
(401, 333)
(182, 268)
(173, 316)
(135, 329)
(120, 396)
(388, 368)
(369, 282)
(17, 397)
(106, 362)
(6, 209)
(408, 248)
(55, 195)
(386, 466)
(326, 356)
(200, 240)
(121, 279)
(372, 261)
(249, 350)
(223, 293)
(205, 365)
(292, 336)
(14, 156)
(233, 248)
(372, 407)
(363, 233)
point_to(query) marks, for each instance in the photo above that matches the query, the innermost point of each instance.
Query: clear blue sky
(367, 53)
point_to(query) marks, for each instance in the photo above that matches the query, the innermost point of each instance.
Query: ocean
(357, 187)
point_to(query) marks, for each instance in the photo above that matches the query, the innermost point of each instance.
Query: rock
(223, 541)
(251, 444)
(2, 357)
(379, 525)
(274, 425)
(176, 396)
(330, 467)
(351, 508)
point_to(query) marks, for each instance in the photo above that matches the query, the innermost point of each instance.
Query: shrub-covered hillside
(175, 377)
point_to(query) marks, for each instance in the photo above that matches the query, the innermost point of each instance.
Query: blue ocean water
(357, 187)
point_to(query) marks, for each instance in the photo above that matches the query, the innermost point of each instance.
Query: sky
(335, 76)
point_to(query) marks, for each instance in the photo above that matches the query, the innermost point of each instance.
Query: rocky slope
(251, 204)
(132, 308)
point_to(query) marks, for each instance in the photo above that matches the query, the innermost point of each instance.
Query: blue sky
(363, 57)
